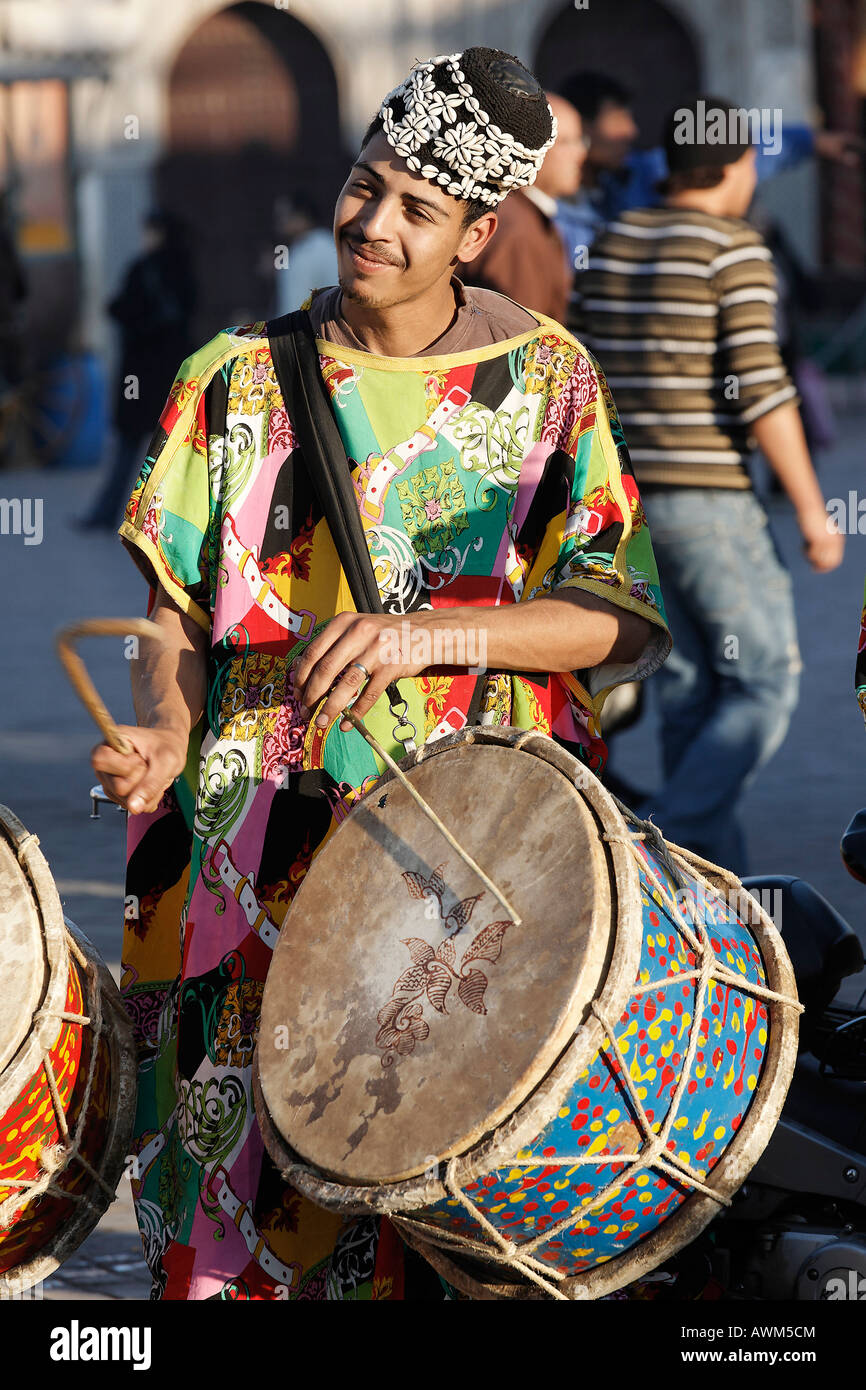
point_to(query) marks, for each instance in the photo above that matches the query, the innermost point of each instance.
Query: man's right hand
(823, 543)
(138, 780)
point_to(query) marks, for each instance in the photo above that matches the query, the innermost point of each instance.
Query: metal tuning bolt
(97, 796)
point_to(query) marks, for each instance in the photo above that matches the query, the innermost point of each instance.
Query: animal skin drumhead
(406, 1011)
(23, 977)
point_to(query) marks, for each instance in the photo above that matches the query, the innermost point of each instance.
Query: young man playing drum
(516, 543)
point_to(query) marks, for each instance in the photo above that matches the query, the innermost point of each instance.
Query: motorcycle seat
(828, 1105)
(853, 847)
(824, 949)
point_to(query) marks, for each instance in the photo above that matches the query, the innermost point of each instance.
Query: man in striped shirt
(679, 304)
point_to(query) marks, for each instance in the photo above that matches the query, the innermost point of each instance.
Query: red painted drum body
(552, 1089)
(67, 1072)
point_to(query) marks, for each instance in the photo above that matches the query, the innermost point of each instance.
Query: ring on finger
(361, 667)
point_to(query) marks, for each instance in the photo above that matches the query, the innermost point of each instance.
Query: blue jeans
(729, 688)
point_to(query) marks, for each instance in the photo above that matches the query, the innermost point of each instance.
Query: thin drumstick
(80, 681)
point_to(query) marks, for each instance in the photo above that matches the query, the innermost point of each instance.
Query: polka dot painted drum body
(573, 1160)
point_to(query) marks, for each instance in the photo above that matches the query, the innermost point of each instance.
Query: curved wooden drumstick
(75, 669)
(431, 815)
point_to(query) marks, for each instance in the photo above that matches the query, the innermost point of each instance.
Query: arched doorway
(639, 42)
(253, 115)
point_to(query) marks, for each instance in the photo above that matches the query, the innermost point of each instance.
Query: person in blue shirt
(618, 177)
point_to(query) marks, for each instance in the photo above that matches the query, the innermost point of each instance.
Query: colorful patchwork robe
(482, 478)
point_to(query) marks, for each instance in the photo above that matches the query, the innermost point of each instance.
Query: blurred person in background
(154, 312)
(13, 340)
(679, 303)
(617, 176)
(13, 293)
(525, 257)
(310, 256)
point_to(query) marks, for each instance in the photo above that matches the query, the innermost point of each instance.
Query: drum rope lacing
(53, 1157)
(655, 1152)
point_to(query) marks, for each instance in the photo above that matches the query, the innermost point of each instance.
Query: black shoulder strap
(296, 363)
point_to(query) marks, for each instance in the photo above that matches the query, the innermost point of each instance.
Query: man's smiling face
(397, 234)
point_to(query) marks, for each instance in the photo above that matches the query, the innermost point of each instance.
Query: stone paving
(794, 814)
(108, 1265)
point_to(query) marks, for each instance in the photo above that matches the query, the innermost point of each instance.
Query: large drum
(552, 1077)
(67, 1072)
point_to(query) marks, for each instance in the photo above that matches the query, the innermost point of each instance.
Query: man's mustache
(371, 251)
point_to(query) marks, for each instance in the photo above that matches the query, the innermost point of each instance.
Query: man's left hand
(332, 664)
(568, 630)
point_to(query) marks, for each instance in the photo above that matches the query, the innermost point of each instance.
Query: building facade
(214, 110)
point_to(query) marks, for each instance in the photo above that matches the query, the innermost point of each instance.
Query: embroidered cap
(477, 123)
